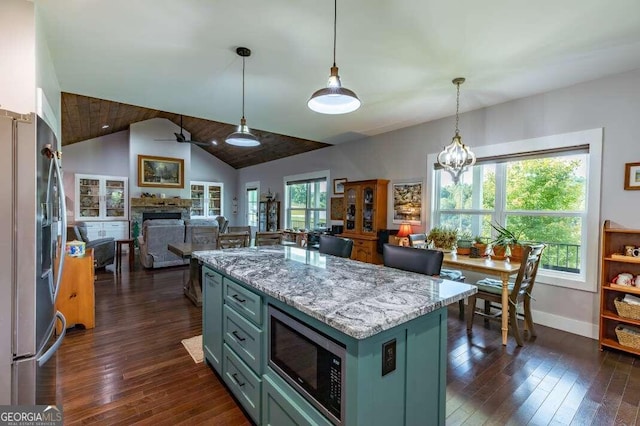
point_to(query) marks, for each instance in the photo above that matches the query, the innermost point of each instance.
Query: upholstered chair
(335, 246)
(104, 249)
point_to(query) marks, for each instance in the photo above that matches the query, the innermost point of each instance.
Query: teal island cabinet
(387, 327)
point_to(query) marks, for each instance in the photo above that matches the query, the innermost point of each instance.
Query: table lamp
(403, 233)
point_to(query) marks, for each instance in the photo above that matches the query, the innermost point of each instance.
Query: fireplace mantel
(160, 202)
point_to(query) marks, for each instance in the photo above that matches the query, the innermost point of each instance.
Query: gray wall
(611, 103)
(116, 155)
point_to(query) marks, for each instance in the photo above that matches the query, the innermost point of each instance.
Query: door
(252, 191)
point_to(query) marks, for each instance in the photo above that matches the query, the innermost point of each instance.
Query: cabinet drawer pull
(208, 275)
(235, 379)
(235, 334)
(235, 296)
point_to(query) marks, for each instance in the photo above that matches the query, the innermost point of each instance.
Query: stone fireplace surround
(156, 208)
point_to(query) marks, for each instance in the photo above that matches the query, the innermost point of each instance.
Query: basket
(625, 338)
(627, 310)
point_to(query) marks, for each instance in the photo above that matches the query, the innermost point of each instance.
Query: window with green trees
(545, 189)
(306, 203)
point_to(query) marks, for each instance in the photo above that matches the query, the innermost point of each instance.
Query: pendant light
(456, 157)
(242, 137)
(334, 99)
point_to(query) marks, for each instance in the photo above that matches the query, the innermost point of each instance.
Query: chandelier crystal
(456, 157)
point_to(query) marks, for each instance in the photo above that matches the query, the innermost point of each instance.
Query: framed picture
(407, 202)
(337, 208)
(632, 176)
(338, 185)
(160, 172)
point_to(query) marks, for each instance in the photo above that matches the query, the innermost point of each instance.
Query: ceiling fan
(181, 138)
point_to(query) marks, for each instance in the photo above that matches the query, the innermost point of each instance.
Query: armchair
(104, 249)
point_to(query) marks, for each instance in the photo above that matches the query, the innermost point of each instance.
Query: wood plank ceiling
(84, 116)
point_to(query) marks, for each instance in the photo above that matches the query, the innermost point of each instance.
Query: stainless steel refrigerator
(32, 231)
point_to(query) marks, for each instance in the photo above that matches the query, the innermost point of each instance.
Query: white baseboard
(569, 325)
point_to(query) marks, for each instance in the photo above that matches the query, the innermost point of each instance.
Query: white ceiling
(399, 56)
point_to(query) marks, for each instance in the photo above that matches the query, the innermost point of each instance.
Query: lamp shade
(242, 137)
(404, 231)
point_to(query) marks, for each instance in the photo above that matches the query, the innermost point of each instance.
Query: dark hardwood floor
(132, 368)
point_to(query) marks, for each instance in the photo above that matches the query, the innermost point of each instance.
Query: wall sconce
(234, 205)
(403, 234)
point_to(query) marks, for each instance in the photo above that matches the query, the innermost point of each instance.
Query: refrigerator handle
(63, 221)
(42, 360)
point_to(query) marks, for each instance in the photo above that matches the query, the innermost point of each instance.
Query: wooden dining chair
(335, 246)
(268, 238)
(233, 240)
(520, 290)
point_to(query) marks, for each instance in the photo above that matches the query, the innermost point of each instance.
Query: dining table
(503, 269)
(193, 286)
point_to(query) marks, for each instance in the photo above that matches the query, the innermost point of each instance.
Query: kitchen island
(391, 324)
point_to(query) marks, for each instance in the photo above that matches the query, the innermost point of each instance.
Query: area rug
(193, 345)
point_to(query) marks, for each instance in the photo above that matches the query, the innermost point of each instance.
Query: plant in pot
(443, 238)
(506, 238)
(465, 241)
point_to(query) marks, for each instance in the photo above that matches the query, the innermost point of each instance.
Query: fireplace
(161, 215)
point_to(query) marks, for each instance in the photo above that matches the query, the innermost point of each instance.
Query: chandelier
(456, 157)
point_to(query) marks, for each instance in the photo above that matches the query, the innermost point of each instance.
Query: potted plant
(443, 238)
(465, 241)
(506, 238)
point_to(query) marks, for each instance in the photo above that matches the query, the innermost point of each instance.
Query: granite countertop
(356, 298)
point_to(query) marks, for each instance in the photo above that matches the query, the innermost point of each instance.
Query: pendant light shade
(456, 157)
(243, 136)
(334, 99)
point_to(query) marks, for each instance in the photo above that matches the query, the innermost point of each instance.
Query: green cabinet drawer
(212, 317)
(243, 337)
(242, 382)
(282, 406)
(246, 302)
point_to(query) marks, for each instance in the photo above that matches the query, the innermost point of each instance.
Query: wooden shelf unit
(614, 238)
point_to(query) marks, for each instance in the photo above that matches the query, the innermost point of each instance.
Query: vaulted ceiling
(398, 56)
(83, 118)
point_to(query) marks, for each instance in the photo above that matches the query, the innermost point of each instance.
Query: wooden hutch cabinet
(365, 204)
(268, 216)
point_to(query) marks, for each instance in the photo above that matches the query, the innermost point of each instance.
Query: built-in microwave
(311, 362)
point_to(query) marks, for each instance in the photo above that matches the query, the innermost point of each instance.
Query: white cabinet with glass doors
(206, 199)
(101, 197)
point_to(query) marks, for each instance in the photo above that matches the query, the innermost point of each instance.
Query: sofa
(103, 248)
(157, 234)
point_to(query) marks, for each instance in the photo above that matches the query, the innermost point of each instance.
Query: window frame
(251, 186)
(319, 175)
(587, 279)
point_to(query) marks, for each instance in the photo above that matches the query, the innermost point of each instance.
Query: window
(306, 201)
(252, 189)
(548, 195)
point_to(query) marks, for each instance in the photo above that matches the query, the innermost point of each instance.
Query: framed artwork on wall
(337, 208)
(160, 172)
(338, 185)
(632, 176)
(407, 201)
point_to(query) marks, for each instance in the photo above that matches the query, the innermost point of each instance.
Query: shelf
(613, 316)
(616, 257)
(615, 345)
(625, 288)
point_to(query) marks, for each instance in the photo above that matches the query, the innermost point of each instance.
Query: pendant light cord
(243, 87)
(457, 107)
(335, 19)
